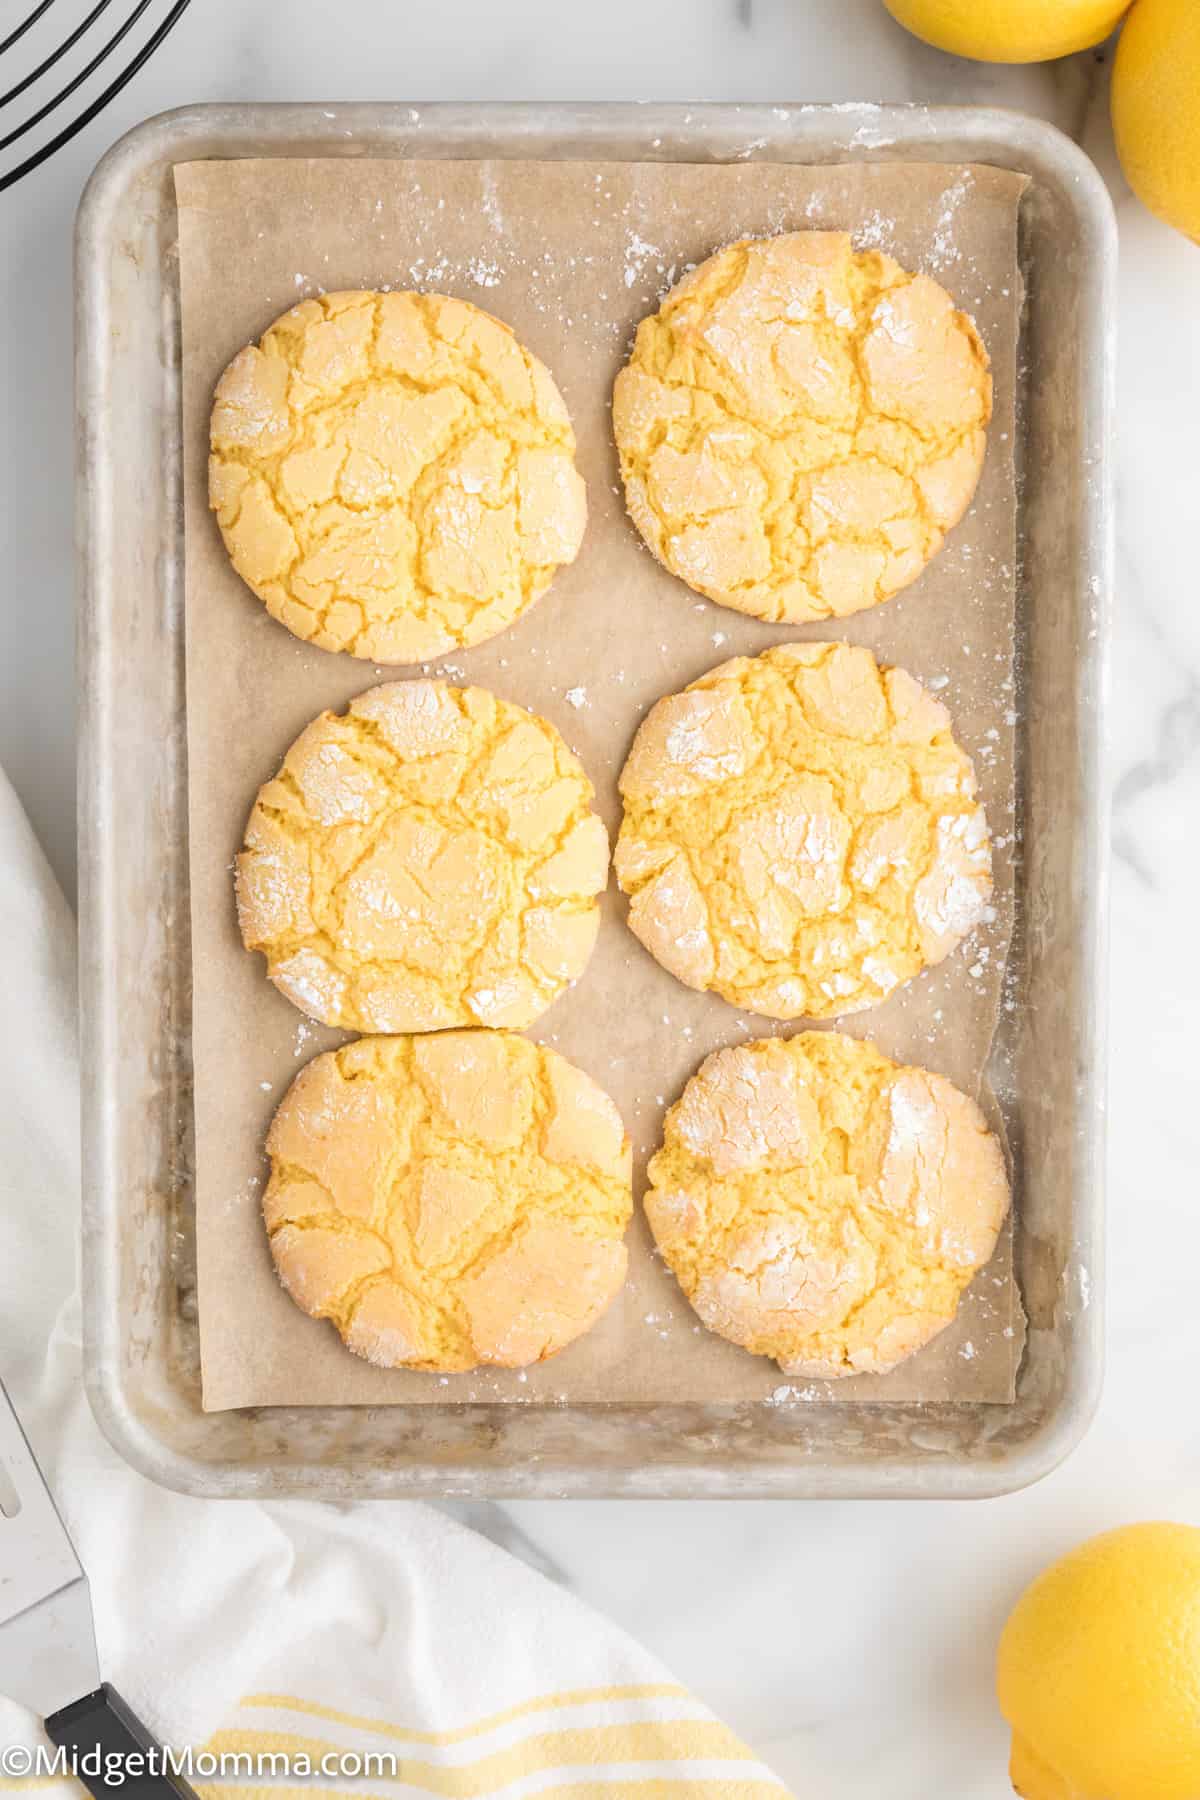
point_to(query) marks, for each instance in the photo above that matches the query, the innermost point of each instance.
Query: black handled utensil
(48, 1656)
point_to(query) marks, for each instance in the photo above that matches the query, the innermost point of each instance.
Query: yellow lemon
(1098, 1671)
(1156, 109)
(1009, 31)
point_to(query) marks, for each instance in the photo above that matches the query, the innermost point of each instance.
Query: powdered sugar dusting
(944, 251)
(637, 254)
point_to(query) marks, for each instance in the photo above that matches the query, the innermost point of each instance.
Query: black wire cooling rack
(60, 65)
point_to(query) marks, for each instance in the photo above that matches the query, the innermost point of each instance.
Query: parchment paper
(571, 254)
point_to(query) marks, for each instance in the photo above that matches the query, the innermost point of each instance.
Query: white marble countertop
(851, 1644)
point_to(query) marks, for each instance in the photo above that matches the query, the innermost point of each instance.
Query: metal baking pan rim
(816, 132)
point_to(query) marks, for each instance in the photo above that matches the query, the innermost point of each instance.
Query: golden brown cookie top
(449, 1200)
(823, 1205)
(800, 424)
(393, 474)
(427, 858)
(801, 832)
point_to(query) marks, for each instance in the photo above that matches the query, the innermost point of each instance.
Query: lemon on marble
(1098, 1670)
(1156, 109)
(1009, 31)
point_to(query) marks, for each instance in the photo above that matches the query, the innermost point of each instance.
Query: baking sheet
(571, 254)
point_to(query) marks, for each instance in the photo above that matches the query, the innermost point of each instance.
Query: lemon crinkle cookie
(450, 1200)
(800, 424)
(393, 474)
(801, 832)
(428, 858)
(822, 1205)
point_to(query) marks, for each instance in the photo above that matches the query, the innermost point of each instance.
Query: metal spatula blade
(48, 1658)
(47, 1640)
(48, 1655)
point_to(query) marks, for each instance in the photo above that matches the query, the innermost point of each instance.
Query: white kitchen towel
(294, 1628)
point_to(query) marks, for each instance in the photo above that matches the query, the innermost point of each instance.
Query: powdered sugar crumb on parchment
(875, 232)
(637, 254)
(944, 250)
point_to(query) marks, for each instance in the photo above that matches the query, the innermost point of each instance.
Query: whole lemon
(1156, 109)
(1010, 31)
(1098, 1671)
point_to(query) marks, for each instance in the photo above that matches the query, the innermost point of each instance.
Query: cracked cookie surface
(450, 1200)
(800, 424)
(823, 1205)
(801, 832)
(428, 858)
(393, 474)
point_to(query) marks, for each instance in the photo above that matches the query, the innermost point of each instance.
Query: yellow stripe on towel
(657, 1741)
(661, 1690)
(659, 1787)
(669, 1787)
